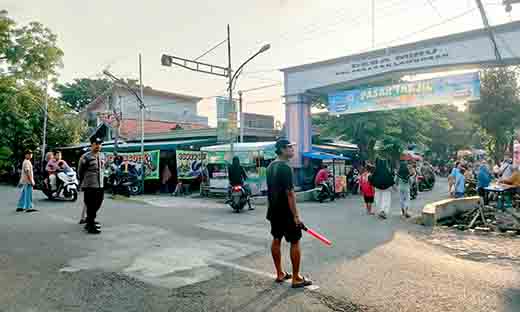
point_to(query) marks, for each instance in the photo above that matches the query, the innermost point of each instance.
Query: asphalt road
(175, 254)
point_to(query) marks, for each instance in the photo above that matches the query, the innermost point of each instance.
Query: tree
(498, 110)
(81, 92)
(390, 131)
(30, 51)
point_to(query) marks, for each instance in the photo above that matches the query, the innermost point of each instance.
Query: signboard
(151, 162)
(226, 119)
(443, 90)
(189, 163)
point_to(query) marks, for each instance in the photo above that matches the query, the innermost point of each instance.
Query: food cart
(254, 158)
(339, 168)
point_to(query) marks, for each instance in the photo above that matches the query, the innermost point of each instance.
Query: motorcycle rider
(322, 177)
(51, 167)
(237, 176)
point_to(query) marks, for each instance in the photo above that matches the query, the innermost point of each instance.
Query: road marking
(256, 272)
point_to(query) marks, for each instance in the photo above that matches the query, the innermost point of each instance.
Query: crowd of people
(90, 175)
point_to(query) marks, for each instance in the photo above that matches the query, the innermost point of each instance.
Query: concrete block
(436, 211)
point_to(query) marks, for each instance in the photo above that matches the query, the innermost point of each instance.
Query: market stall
(254, 158)
(339, 168)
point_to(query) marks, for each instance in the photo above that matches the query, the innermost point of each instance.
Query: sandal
(302, 284)
(287, 276)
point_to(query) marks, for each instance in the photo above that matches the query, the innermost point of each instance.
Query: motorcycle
(325, 192)
(66, 186)
(414, 190)
(239, 197)
(124, 183)
(354, 183)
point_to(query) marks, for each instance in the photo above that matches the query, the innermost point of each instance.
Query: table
(500, 190)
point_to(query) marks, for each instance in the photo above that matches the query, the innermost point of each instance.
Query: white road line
(254, 271)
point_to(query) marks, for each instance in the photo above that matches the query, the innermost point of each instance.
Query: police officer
(90, 171)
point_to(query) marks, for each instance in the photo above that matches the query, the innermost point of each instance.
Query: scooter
(414, 190)
(124, 183)
(66, 186)
(325, 192)
(239, 197)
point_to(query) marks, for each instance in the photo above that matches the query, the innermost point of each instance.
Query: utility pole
(227, 72)
(373, 23)
(241, 114)
(230, 86)
(142, 121)
(45, 117)
(490, 31)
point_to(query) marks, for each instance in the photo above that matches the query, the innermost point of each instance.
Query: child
(367, 190)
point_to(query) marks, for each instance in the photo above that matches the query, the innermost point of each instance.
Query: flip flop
(287, 276)
(302, 284)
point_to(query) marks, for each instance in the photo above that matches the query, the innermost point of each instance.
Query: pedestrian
(26, 184)
(90, 173)
(403, 180)
(484, 178)
(506, 169)
(459, 181)
(514, 179)
(367, 189)
(382, 180)
(283, 214)
(451, 178)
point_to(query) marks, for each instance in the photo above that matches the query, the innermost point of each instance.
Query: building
(164, 112)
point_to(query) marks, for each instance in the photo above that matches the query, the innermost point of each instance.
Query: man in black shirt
(283, 214)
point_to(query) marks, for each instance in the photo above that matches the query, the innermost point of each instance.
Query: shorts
(289, 230)
(369, 199)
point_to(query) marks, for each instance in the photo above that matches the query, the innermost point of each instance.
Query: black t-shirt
(237, 176)
(279, 182)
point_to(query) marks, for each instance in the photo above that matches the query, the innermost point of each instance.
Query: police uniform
(90, 171)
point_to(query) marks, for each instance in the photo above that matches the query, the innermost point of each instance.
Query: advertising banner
(189, 163)
(151, 162)
(226, 119)
(443, 90)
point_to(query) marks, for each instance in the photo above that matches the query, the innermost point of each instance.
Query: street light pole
(142, 121)
(241, 114)
(45, 118)
(230, 89)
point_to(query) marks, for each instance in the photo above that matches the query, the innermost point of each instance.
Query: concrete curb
(436, 211)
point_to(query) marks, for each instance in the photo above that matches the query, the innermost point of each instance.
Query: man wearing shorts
(283, 214)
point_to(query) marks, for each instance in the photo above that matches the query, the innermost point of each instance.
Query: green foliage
(384, 133)
(82, 92)
(498, 110)
(30, 51)
(32, 57)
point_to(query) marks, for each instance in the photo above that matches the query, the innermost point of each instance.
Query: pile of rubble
(486, 219)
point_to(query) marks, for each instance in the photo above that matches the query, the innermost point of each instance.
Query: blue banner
(443, 90)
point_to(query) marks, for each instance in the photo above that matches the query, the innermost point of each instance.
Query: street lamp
(232, 80)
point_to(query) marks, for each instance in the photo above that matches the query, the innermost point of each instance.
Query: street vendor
(514, 179)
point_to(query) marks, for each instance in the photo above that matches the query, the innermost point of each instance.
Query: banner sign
(151, 162)
(189, 163)
(226, 119)
(443, 90)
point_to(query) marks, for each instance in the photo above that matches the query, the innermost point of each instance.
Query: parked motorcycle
(66, 186)
(325, 192)
(239, 197)
(353, 183)
(124, 182)
(414, 189)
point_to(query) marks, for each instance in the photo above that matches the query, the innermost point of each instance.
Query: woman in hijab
(382, 180)
(403, 180)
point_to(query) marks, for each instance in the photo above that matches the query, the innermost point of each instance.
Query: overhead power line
(430, 2)
(262, 87)
(211, 50)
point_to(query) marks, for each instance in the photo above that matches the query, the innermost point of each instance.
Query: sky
(100, 34)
